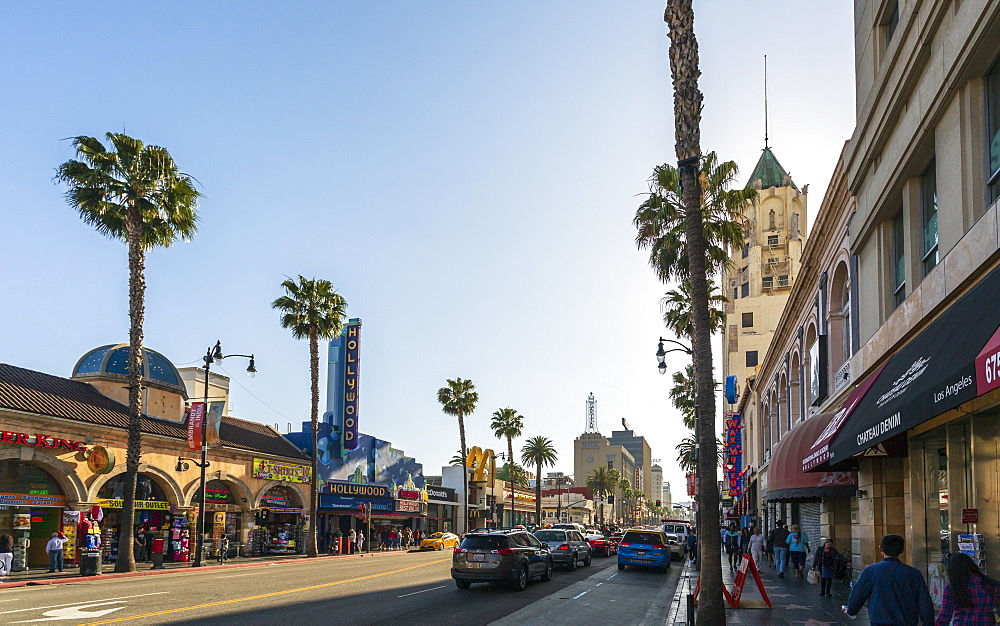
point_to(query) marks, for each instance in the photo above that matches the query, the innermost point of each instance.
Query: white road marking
(75, 612)
(612, 576)
(54, 606)
(424, 591)
(239, 575)
(581, 594)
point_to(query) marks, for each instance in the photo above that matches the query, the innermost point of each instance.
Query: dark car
(511, 557)
(568, 547)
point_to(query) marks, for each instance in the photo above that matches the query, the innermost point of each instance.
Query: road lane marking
(55, 606)
(265, 595)
(579, 595)
(239, 575)
(75, 612)
(424, 591)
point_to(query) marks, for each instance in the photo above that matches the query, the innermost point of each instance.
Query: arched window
(795, 401)
(840, 325)
(145, 489)
(786, 421)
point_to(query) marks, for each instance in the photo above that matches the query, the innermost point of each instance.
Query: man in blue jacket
(896, 593)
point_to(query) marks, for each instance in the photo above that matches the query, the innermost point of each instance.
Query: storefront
(923, 431)
(152, 515)
(279, 524)
(224, 511)
(442, 509)
(31, 508)
(342, 503)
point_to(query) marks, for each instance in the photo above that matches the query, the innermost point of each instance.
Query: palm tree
(507, 424)
(460, 398)
(684, 70)
(675, 305)
(312, 309)
(538, 450)
(457, 460)
(136, 194)
(660, 218)
(682, 395)
(600, 482)
(687, 453)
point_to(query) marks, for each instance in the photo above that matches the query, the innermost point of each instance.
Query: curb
(179, 570)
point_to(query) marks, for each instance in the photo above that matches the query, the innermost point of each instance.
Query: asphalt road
(408, 588)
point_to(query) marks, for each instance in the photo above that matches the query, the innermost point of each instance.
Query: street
(408, 588)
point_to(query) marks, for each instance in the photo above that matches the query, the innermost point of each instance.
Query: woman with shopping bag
(825, 563)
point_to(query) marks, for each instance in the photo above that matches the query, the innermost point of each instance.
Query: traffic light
(657, 503)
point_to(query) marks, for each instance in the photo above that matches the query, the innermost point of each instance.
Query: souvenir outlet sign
(269, 469)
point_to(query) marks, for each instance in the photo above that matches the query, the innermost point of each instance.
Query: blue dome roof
(111, 361)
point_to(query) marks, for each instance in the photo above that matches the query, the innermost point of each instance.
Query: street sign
(970, 516)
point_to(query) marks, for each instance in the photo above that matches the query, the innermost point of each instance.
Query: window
(746, 250)
(783, 281)
(993, 131)
(745, 290)
(898, 265)
(736, 294)
(929, 218)
(890, 24)
(767, 282)
(772, 240)
(751, 358)
(748, 320)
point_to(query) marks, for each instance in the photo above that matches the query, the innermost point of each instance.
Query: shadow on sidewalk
(795, 601)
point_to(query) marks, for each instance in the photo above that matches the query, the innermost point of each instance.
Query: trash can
(90, 564)
(158, 545)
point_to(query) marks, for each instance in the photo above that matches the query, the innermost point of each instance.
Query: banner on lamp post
(195, 418)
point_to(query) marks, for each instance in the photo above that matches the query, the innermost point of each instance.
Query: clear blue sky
(465, 173)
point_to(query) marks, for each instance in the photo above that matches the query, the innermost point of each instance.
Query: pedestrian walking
(895, 592)
(54, 548)
(779, 540)
(825, 561)
(407, 538)
(385, 538)
(352, 540)
(361, 540)
(6, 555)
(798, 548)
(338, 542)
(745, 535)
(140, 546)
(692, 545)
(223, 548)
(969, 595)
(757, 547)
(731, 542)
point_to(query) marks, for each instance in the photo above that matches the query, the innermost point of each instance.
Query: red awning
(785, 478)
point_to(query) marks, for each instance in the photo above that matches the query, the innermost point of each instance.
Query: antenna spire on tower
(591, 414)
(765, 102)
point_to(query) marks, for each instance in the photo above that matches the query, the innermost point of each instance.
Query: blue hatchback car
(644, 547)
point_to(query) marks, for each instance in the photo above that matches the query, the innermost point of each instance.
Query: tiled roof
(769, 171)
(29, 391)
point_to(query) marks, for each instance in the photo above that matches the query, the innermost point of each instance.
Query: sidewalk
(72, 573)
(795, 601)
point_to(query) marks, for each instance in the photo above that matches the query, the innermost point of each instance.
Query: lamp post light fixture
(661, 354)
(212, 355)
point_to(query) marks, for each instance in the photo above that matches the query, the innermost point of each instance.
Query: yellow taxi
(439, 541)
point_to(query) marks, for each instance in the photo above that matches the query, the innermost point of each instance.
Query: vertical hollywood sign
(734, 454)
(351, 380)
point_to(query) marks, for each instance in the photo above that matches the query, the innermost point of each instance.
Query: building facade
(764, 269)
(62, 463)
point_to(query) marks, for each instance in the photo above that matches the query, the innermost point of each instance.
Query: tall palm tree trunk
(679, 16)
(311, 547)
(465, 475)
(510, 473)
(538, 494)
(136, 314)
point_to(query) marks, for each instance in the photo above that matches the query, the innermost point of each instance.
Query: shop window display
(278, 525)
(31, 507)
(152, 516)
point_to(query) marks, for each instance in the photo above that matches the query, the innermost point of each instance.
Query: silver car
(568, 547)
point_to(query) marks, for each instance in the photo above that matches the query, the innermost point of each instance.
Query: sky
(464, 173)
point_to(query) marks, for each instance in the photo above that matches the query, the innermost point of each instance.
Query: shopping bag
(813, 577)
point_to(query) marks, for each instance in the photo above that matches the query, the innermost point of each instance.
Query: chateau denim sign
(951, 361)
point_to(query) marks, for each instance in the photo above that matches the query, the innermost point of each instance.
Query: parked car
(680, 529)
(601, 545)
(568, 547)
(511, 557)
(644, 547)
(439, 541)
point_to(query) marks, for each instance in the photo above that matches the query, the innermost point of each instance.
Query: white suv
(680, 532)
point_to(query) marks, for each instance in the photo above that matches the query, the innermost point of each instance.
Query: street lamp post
(661, 356)
(510, 475)
(211, 355)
